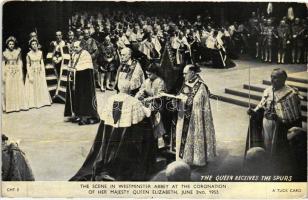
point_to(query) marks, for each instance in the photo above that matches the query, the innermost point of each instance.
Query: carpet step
(301, 77)
(244, 93)
(255, 87)
(262, 87)
(303, 87)
(237, 100)
(299, 80)
(244, 102)
(255, 95)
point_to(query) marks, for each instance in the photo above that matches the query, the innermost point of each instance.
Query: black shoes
(76, 119)
(94, 121)
(81, 122)
(88, 121)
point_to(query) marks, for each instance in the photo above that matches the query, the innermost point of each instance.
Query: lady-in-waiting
(36, 85)
(13, 85)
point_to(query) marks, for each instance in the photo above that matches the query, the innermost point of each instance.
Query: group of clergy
(132, 128)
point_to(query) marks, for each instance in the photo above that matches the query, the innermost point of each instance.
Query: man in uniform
(283, 40)
(57, 46)
(198, 22)
(58, 59)
(261, 38)
(297, 40)
(70, 40)
(108, 63)
(269, 32)
(254, 29)
(79, 34)
(98, 35)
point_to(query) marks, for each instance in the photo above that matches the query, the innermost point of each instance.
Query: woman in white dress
(36, 85)
(12, 77)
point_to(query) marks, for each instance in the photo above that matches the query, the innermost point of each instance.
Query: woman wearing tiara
(13, 85)
(36, 85)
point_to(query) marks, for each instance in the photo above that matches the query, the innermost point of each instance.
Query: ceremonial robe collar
(282, 92)
(193, 81)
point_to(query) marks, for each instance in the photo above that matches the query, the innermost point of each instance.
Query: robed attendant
(129, 70)
(150, 47)
(58, 58)
(180, 44)
(80, 102)
(91, 46)
(57, 51)
(278, 111)
(195, 133)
